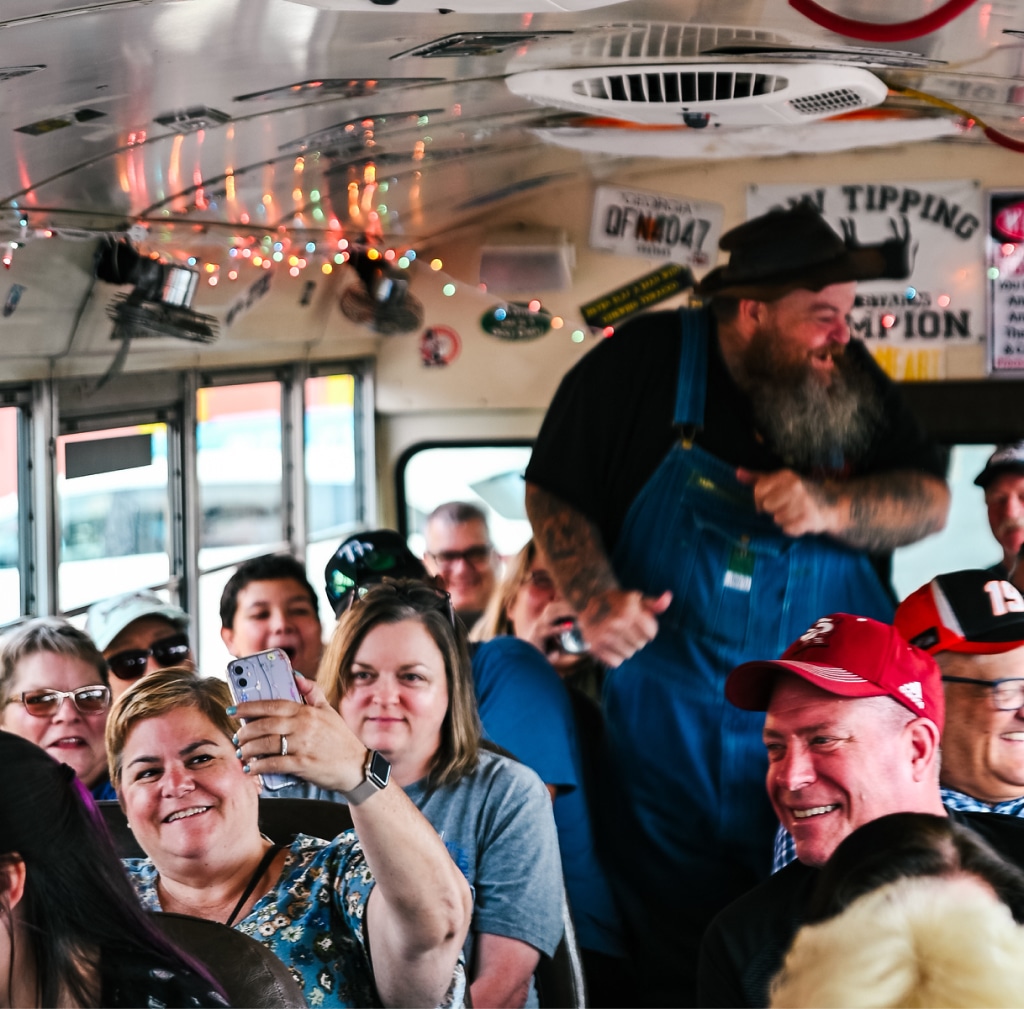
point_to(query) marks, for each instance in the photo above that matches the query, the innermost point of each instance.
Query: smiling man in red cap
(706, 483)
(853, 719)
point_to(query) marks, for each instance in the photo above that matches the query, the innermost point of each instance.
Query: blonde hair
(158, 693)
(392, 602)
(495, 622)
(928, 941)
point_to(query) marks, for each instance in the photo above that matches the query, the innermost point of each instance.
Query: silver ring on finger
(284, 746)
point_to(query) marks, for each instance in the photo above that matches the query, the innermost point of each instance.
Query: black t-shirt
(745, 945)
(611, 423)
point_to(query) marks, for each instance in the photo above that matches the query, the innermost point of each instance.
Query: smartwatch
(378, 773)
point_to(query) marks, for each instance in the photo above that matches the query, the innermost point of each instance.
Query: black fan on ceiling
(160, 303)
(381, 300)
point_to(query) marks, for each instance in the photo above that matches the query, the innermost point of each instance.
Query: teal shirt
(313, 919)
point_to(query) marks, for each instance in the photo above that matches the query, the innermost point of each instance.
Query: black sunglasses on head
(415, 593)
(131, 663)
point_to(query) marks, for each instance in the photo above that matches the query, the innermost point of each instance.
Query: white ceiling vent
(705, 94)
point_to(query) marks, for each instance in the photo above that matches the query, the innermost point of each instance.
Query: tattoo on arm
(889, 510)
(573, 545)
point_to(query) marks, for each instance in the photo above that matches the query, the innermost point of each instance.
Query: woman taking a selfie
(192, 800)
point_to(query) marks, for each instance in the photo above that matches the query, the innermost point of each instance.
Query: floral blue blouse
(313, 919)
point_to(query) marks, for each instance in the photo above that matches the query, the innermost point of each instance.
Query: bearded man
(706, 483)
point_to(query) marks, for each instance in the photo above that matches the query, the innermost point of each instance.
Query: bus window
(489, 476)
(113, 500)
(10, 546)
(238, 459)
(966, 542)
(333, 508)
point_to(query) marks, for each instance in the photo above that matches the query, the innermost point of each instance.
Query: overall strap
(268, 857)
(692, 384)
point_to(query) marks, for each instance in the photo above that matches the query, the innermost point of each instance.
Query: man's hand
(798, 505)
(877, 513)
(616, 624)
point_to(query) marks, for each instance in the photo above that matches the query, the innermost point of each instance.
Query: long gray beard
(810, 425)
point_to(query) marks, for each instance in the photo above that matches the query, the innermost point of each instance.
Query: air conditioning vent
(828, 103)
(705, 94)
(679, 87)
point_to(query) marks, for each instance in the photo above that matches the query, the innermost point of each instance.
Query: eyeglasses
(46, 702)
(131, 663)
(476, 556)
(1005, 695)
(418, 594)
(540, 580)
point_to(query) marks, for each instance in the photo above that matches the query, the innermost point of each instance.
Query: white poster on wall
(632, 222)
(1004, 253)
(943, 301)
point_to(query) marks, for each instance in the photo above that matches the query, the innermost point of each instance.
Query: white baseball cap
(107, 618)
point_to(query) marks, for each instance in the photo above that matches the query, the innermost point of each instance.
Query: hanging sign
(1004, 256)
(636, 223)
(942, 302)
(615, 306)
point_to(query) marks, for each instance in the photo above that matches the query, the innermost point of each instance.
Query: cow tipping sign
(942, 302)
(653, 226)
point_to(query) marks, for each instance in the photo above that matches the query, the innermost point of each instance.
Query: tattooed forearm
(573, 547)
(889, 510)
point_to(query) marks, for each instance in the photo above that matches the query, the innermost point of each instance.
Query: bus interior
(279, 270)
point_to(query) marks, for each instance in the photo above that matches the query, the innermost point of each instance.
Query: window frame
(401, 504)
(54, 407)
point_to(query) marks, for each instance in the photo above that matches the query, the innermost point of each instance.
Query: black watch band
(378, 773)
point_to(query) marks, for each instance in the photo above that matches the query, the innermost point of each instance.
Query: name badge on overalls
(740, 573)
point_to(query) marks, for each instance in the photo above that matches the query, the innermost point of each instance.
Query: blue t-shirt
(524, 708)
(313, 919)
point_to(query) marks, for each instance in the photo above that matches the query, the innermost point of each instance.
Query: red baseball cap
(848, 656)
(964, 611)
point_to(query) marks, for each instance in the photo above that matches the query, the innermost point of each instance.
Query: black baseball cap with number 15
(366, 559)
(965, 611)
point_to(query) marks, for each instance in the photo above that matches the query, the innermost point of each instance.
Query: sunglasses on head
(415, 593)
(131, 663)
(44, 701)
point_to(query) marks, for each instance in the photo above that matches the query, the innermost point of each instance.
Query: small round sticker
(439, 346)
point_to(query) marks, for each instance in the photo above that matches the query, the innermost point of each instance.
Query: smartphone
(264, 676)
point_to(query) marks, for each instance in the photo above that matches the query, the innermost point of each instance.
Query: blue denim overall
(692, 824)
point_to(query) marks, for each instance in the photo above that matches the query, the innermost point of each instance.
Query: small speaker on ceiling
(527, 260)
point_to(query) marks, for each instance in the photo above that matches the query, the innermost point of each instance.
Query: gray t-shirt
(498, 826)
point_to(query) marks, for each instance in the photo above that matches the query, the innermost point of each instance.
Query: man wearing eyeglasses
(459, 549)
(138, 633)
(973, 624)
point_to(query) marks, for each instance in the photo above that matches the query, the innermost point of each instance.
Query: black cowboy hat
(797, 248)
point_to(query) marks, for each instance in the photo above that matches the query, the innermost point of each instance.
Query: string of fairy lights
(266, 251)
